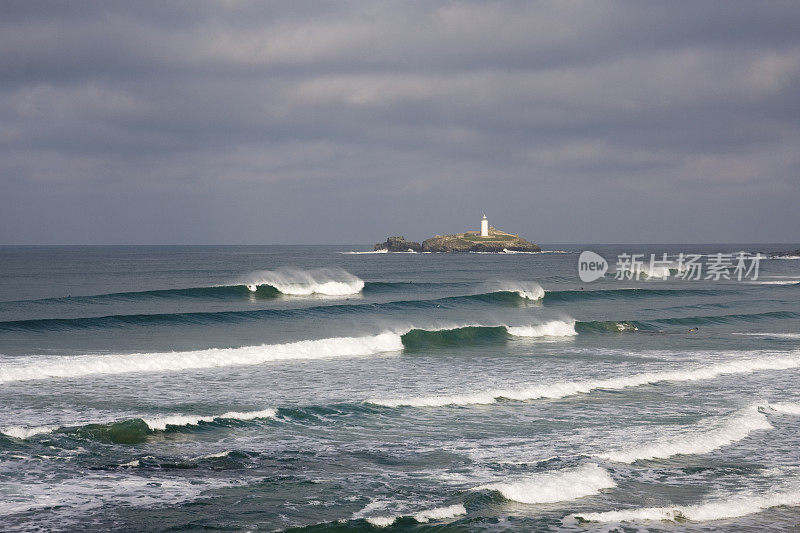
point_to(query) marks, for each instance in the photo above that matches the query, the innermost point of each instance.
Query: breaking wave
(136, 430)
(87, 365)
(21, 432)
(160, 424)
(423, 517)
(558, 486)
(418, 338)
(223, 317)
(571, 388)
(705, 437)
(733, 506)
(528, 290)
(786, 408)
(388, 341)
(295, 282)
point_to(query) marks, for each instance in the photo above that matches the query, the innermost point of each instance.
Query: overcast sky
(344, 122)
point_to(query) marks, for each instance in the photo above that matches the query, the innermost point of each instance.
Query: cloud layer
(341, 122)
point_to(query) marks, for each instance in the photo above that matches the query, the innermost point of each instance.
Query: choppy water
(151, 389)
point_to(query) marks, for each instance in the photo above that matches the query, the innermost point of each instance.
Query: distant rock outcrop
(399, 244)
(469, 241)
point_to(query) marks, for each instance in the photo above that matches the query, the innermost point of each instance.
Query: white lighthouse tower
(484, 226)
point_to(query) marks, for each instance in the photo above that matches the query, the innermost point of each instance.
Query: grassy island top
(494, 235)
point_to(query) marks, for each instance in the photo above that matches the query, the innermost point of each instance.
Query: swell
(497, 293)
(626, 294)
(606, 326)
(500, 298)
(220, 292)
(238, 291)
(217, 317)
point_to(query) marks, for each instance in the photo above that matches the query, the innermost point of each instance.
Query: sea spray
(524, 289)
(296, 282)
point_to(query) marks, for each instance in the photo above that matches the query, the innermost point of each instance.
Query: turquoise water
(148, 388)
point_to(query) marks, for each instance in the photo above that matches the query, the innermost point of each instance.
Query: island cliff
(469, 241)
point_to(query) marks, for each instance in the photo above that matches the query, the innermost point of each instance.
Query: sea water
(328, 389)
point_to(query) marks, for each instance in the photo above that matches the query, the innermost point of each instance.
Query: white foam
(775, 282)
(88, 365)
(383, 251)
(438, 513)
(554, 328)
(93, 490)
(570, 388)
(382, 521)
(654, 272)
(160, 424)
(786, 408)
(773, 335)
(558, 486)
(555, 252)
(705, 437)
(20, 432)
(733, 506)
(327, 281)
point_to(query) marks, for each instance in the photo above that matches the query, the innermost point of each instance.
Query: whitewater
(309, 388)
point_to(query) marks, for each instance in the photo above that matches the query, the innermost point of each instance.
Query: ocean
(322, 388)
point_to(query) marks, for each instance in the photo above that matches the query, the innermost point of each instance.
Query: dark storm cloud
(341, 121)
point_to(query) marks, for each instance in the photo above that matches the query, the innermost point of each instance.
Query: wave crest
(731, 507)
(423, 517)
(558, 486)
(160, 424)
(296, 282)
(698, 440)
(524, 289)
(20, 432)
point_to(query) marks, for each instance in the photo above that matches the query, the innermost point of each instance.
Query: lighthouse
(484, 226)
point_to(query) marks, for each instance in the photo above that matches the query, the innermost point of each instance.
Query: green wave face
(420, 339)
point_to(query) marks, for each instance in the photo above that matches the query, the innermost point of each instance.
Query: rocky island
(489, 239)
